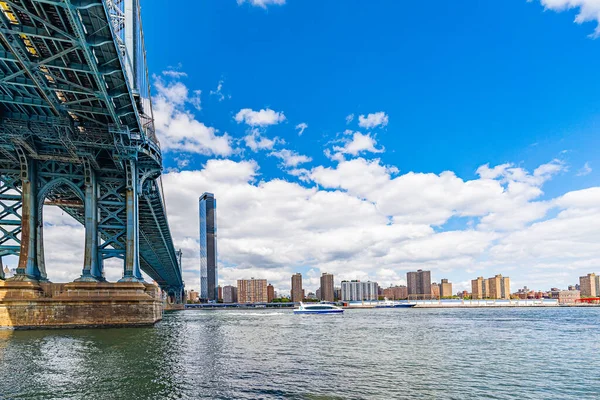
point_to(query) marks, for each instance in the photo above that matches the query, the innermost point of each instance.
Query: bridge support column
(2, 277)
(132, 271)
(92, 265)
(28, 270)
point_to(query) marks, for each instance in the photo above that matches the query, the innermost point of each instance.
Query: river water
(527, 353)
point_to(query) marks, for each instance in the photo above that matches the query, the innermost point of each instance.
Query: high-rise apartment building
(208, 248)
(230, 294)
(219, 293)
(480, 288)
(327, 287)
(419, 284)
(589, 285)
(446, 288)
(359, 291)
(497, 287)
(270, 293)
(252, 291)
(396, 292)
(296, 293)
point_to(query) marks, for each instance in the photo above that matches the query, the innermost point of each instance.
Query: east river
(512, 353)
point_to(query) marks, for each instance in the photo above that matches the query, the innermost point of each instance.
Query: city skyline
(444, 155)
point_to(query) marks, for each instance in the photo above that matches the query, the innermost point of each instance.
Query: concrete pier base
(33, 305)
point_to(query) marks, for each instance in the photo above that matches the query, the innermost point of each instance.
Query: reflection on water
(370, 354)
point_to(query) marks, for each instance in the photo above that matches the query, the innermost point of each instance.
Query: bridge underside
(76, 132)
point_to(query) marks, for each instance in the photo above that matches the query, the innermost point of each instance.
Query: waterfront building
(311, 296)
(219, 293)
(589, 285)
(419, 284)
(252, 290)
(270, 293)
(230, 294)
(318, 294)
(435, 291)
(327, 287)
(208, 248)
(396, 293)
(193, 296)
(568, 296)
(359, 291)
(446, 288)
(499, 287)
(337, 293)
(480, 288)
(297, 293)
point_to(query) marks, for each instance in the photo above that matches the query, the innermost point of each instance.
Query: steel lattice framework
(77, 131)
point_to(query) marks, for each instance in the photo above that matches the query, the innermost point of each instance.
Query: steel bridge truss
(77, 132)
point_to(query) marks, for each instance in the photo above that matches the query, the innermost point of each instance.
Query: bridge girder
(76, 131)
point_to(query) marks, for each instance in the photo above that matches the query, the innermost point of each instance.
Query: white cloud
(174, 74)
(585, 170)
(262, 118)
(349, 118)
(301, 127)
(177, 127)
(358, 144)
(290, 158)
(219, 91)
(195, 100)
(373, 120)
(256, 141)
(588, 10)
(262, 3)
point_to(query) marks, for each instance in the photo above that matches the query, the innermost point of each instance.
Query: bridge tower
(77, 132)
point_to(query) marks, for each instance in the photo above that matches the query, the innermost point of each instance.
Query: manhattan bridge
(77, 132)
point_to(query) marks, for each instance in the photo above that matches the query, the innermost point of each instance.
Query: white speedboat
(318, 308)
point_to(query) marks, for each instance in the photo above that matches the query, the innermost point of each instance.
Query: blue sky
(502, 95)
(464, 83)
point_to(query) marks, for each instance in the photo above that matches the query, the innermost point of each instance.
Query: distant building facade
(337, 293)
(359, 291)
(193, 296)
(230, 294)
(589, 285)
(252, 291)
(270, 293)
(297, 293)
(208, 248)
(419, 284)
(446, 288)
(435, 291)
(480, 288)
(396, 293)
(497, 287)
(568, 296)
(219, 293)
(327, 287)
